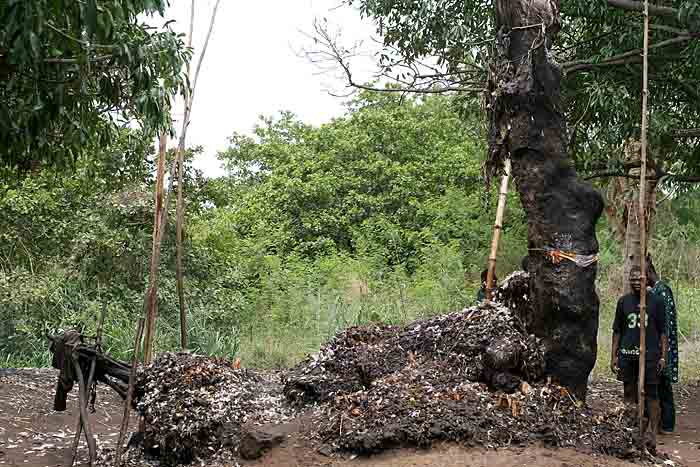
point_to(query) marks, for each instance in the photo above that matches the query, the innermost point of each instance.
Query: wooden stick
(76, 439)
(642, 227)
(129, 392)
(180, 205)
(82, 400)
(98, 346)
(189, 98)
(497, 228)
(161, 209)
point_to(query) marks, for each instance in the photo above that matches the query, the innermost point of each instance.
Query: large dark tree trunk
(527, 124)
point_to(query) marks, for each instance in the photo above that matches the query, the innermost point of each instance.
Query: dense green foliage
(390, 179)
(73, 72)
(376, 216)
(387, 198)
(598, 49)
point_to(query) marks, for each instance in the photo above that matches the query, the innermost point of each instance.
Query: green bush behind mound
(379, 216)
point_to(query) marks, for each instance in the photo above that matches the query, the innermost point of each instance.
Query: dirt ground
(33, 435)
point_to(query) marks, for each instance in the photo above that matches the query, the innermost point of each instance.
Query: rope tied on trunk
(556, 256)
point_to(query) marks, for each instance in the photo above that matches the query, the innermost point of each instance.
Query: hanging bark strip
(642, 225)
(189, 97)
(129, 392)
(497, 229)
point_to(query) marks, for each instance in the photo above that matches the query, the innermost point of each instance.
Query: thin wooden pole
(82, 402)
(161, 209)
(129, 393)
(91, 376)
(98, 349)
(642, 226)
(497, 228)
(189, 97)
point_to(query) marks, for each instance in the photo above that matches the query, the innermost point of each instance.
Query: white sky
(252, 67)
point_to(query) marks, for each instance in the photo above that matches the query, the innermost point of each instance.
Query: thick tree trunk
(527, 123)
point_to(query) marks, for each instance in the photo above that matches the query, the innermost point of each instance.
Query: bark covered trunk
(622, 207)
(616, 207)
(528, 125)
(633, 231)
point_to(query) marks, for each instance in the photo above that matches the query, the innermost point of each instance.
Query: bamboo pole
(642, 225)
(129, 393)
(189, 97)
(497, 228)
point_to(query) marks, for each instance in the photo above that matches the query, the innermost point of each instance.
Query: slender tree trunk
(633, 231)
(632, 228)
(178, 248)
(616, 207)
(151, 299)
(527, 123)
(181, 201)
(189, 98)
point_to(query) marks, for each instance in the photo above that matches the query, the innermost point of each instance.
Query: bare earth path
(33, 435)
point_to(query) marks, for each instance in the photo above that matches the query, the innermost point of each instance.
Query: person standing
(670, 376)
(626, 341)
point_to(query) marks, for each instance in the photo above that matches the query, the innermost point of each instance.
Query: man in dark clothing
(670, 376)
(626, 342)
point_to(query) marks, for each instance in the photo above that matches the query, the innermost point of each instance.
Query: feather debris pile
(486, 344)
(195, 405)
(426, 402)
(474, 377)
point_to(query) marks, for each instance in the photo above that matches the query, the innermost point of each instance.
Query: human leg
(654, 410)
(668, 408)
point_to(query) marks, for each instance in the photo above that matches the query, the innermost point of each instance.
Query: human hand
(661, 366)
(614, 365)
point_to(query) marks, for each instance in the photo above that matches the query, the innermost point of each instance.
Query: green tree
(72, 72)
(390, 178)
(539, 61)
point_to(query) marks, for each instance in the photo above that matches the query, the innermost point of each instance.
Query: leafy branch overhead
(71, 72)
(439, 46)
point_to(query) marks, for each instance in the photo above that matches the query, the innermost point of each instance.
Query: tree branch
(329, 51)
(632, 56)
(100, 58)
(687, 132)
(661, 27)
(658, 176)
(639, 6)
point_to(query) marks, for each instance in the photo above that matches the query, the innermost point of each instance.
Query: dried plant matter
(480, 344)
(426, 401)
(475, 377)
(193, 404)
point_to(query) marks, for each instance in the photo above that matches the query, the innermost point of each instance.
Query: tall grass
(296, 305)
